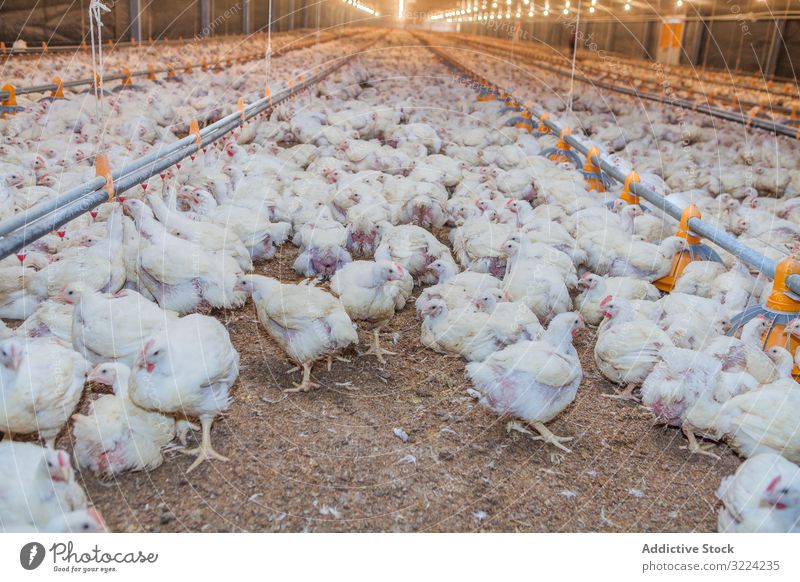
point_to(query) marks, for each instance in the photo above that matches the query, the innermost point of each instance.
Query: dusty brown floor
(330, 461)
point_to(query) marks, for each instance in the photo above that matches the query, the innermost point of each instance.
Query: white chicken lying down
(763, 496)
(533, 380)
(687, 389)
(764, 420)
(41, 381)
(210, 236)
(596, 288)
(372, 291)
(111, 327)
(181, 275)
(308, 323)
(414, 248)
(627, 349)
(462, 331)
(260, 236)
(187, 368)
(118, 436)
(99, 266)
(40, 492)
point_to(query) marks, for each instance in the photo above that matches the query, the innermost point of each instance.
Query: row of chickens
(721, 90)
(71, 66)
(753, 195)
(49, 147)
(362, 174)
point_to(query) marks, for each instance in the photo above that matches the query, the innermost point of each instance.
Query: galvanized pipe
(68, 206)
(118, 77)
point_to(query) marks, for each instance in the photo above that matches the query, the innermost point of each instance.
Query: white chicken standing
(187, 368)
(372, 291)
(308, 323)
(533, 380)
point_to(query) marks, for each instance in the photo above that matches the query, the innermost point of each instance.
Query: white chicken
(111, 327)
(462, 331)
(533, 380)
(41, 382)
(372, 291)
(413, 247)
(187, 368)
(308, 323)
(116, 435)
(762, 496)
(627, 349)
(40, 492)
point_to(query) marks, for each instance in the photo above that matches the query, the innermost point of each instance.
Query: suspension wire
(268, 55)
(95, 22)
(574, 42)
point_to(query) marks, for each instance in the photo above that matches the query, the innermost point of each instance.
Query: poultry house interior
(407, 266)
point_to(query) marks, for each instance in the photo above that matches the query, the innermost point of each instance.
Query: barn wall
(60, 22)
(734, 45)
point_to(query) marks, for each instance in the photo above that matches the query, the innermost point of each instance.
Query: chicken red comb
(608, 299)
(773, 484)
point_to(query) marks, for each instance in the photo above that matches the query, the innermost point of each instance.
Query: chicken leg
(694, 447)
(205, 451)
(546, 435)
(306, 384)
(182, 428)
(626, 394)
(375, 348)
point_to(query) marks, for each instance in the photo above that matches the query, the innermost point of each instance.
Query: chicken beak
(16, 358)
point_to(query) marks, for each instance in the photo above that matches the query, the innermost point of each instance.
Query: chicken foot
(306, 384)
(375, 348)
(205, 451)
(694, 447)
(338, 359)
(182, 428)
(545, 434)
(626, 394)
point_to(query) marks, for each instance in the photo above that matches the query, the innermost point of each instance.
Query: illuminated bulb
(530, 13)
(494, 4)
(627, 6)
(518, 14)
(679, 3)
(508, 2)
(546, 12)
(591, 9)
(566, 10)
(566, 4)
(508, 15)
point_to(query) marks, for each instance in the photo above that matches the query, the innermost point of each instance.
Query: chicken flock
(391, 183)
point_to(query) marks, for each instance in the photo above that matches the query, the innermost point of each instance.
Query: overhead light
(591, 9)
(566, 10)
(679, 3)
(627, 6)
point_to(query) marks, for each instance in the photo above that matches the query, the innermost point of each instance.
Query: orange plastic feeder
(682, 259)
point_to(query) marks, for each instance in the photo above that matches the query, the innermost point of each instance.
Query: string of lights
(359, 6)
(479, 10)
